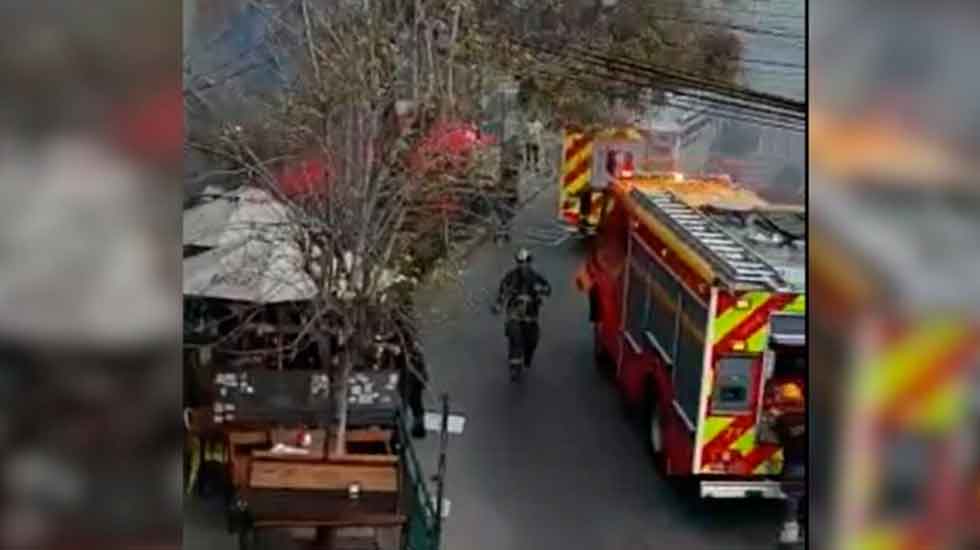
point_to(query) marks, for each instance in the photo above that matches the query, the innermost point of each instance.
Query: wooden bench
(335, 509)
(322, 476)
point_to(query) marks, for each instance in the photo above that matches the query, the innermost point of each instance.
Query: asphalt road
(551, 463)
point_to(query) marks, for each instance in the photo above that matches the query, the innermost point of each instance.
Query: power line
(728, 95)
(773, 63)
(628, 64)
(694, 80)
(741, 108)
(735, 105)
(692, 104)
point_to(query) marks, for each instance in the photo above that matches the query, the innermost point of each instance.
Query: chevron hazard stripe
(721, 433)
(577, 163)
(743, 318)
(574, 145)
(736, 436)
(748, 324)
(576, 169)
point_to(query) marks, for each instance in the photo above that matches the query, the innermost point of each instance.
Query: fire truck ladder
(737, 263)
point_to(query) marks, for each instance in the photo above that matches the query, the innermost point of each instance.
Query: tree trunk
(340, 398)
(325, 353)
(450, 98)
(430, 57)
(415, 52)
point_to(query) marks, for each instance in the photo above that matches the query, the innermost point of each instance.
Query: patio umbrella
(254, 257)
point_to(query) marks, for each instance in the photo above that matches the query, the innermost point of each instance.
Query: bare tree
(376, 196)
(379, 195)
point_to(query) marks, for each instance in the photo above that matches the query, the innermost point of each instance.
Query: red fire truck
(696, 292)
(590, 159)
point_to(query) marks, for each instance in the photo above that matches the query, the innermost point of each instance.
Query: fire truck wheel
(655, 433)
(603, 362)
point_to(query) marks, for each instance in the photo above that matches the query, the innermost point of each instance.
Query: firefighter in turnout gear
(790, 427)
(520, 293)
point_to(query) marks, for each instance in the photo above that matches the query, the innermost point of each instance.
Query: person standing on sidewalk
(533, 145)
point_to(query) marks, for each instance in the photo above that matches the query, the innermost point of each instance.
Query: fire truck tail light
(726, 456)
(738, 346)
(742, 304)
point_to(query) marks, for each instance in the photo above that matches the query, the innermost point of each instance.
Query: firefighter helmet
(790, 392)
(523, 256)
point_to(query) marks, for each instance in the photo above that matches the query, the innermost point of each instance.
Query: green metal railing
(424, 529)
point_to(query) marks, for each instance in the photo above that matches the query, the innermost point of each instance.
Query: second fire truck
(696, 292)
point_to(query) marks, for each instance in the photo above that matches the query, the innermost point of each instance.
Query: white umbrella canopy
(256, 258)
(256, 217)
(204, 223)
(232, 216)
(255, 272)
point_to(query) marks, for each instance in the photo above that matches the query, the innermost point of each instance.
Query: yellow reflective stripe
(727, 321)
(744, 443)
(566, 166)
(886, 378)
(757, 342)
(583, 157)
(797, 306)
(713, 426)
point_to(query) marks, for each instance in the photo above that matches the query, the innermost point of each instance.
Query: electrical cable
(704, 108)
(743, 108)
(660, 72)
(638, 69)
(646, 71)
